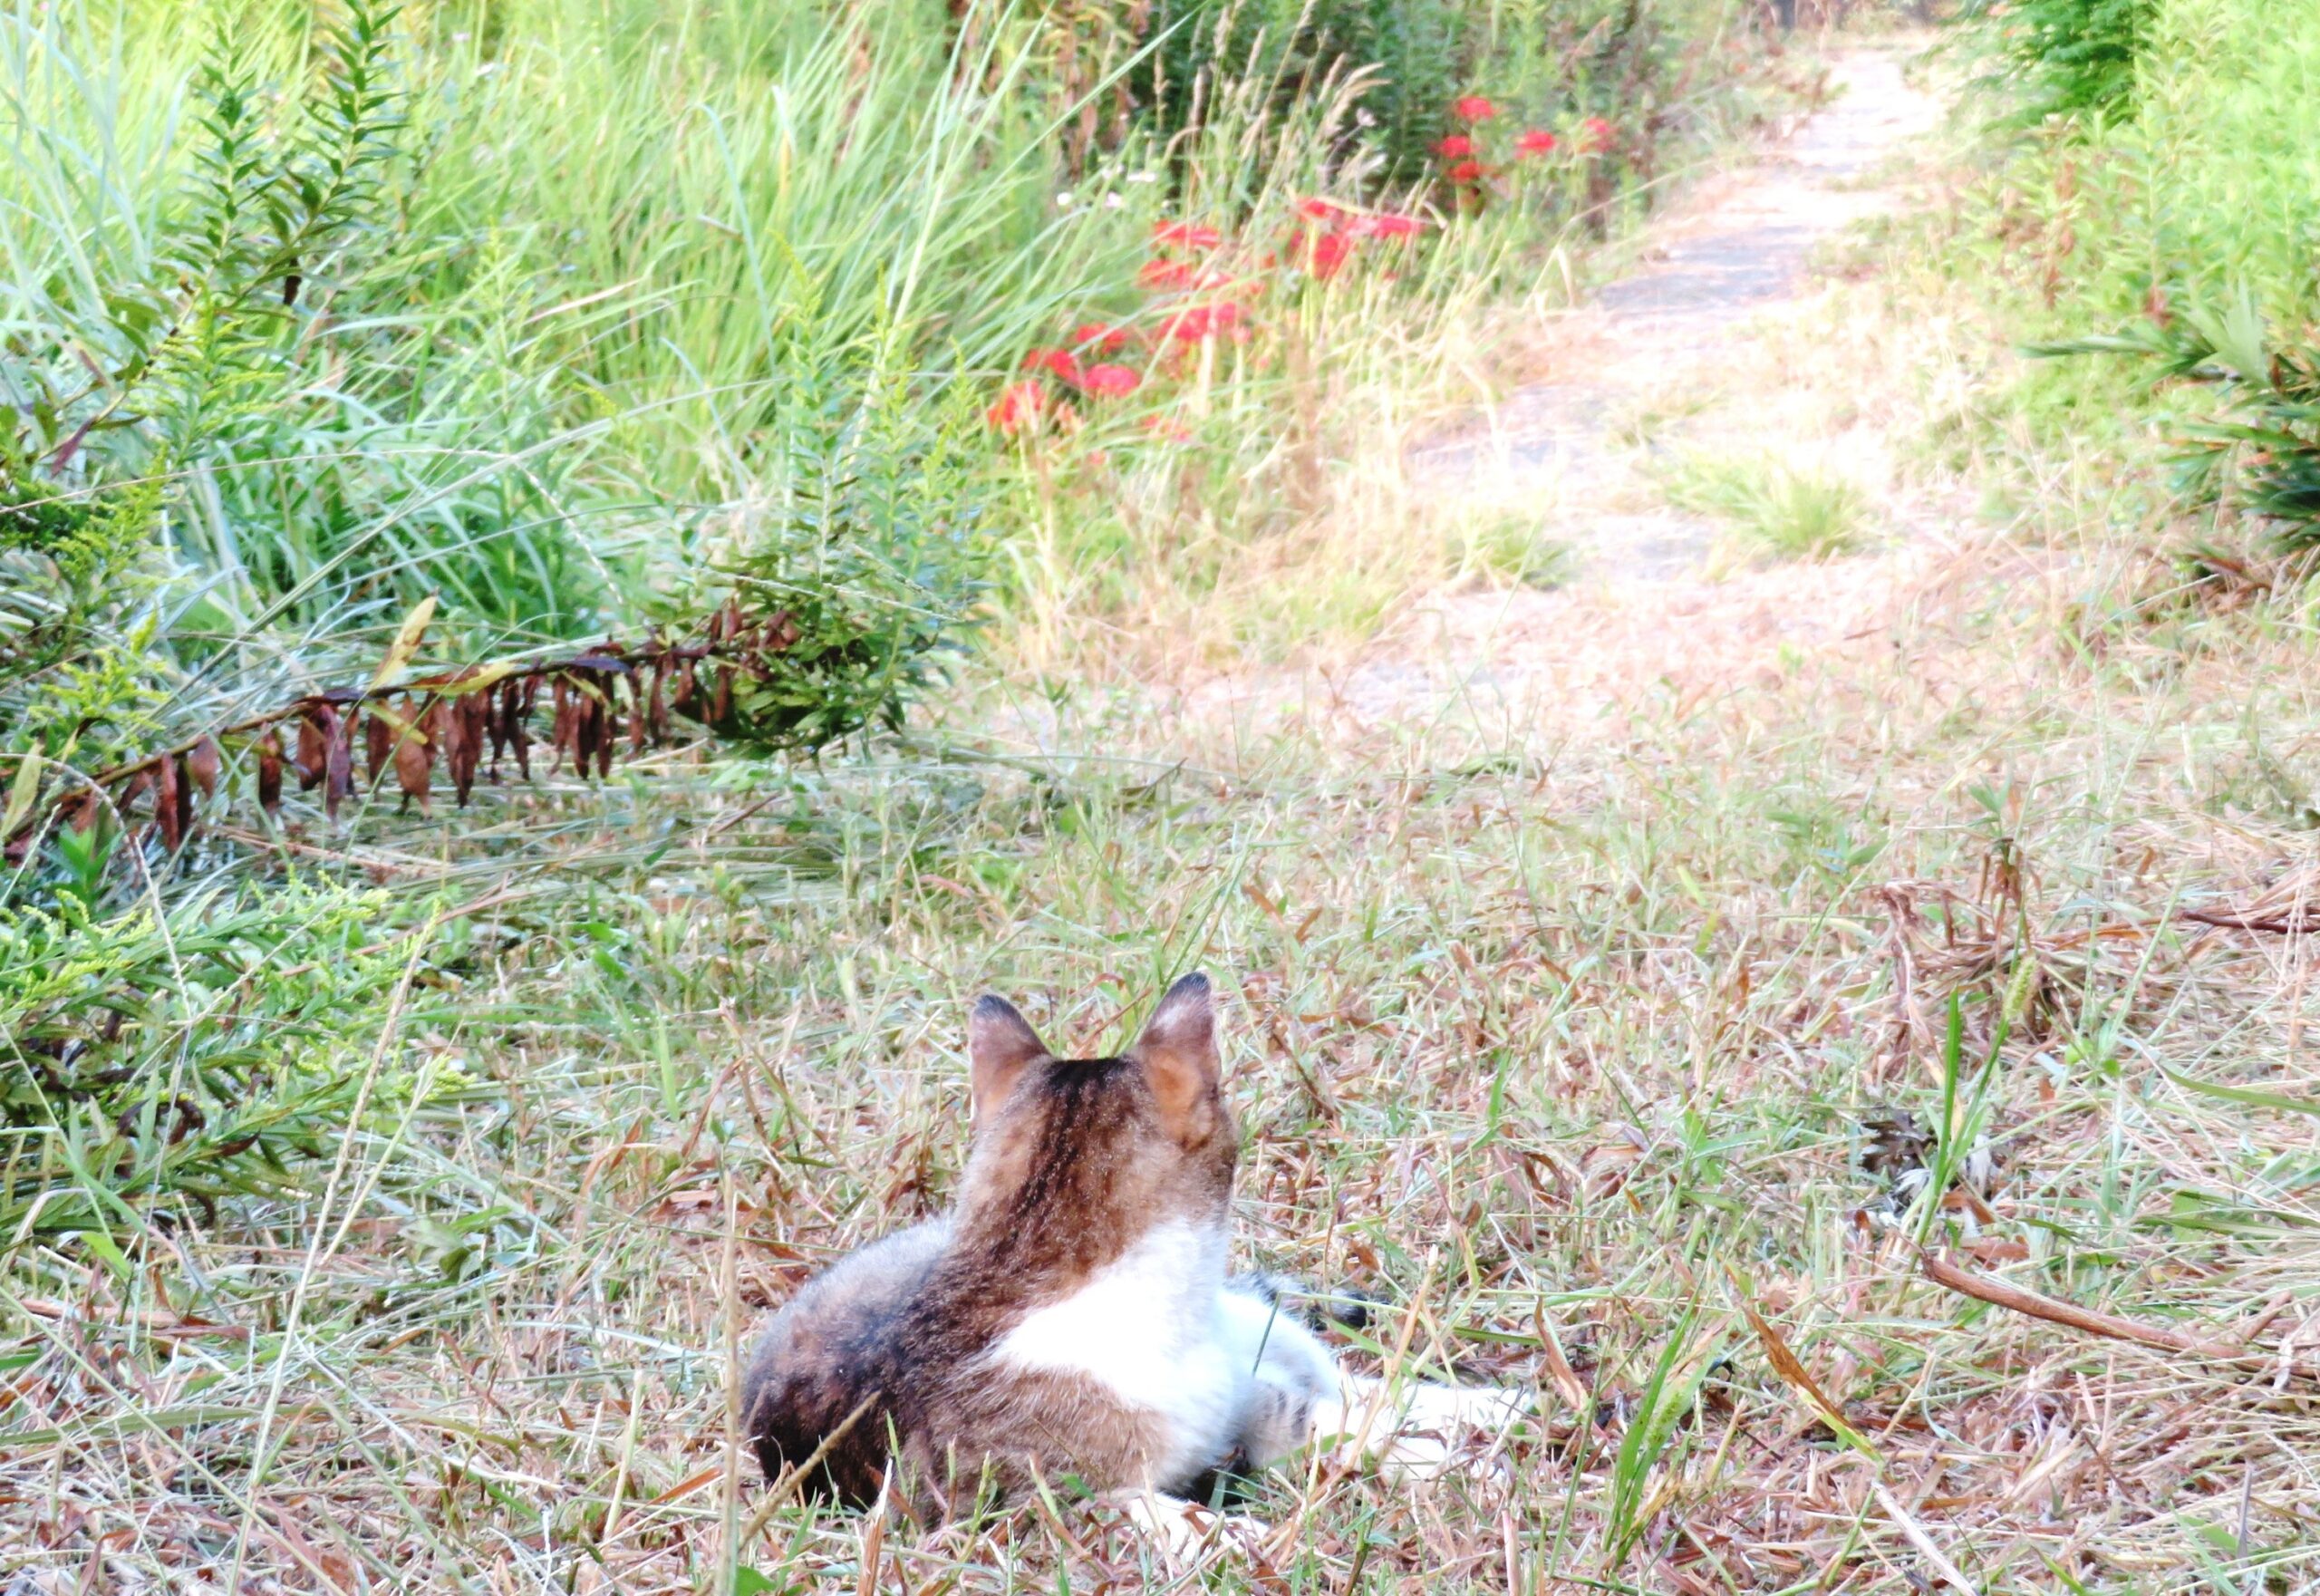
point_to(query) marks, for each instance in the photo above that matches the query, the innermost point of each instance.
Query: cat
(1071, 1319)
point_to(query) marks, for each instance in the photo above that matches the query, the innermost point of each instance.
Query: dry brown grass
(1539, 1046)
(1559, 1027)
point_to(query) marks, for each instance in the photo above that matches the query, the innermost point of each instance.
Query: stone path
(1697, 351)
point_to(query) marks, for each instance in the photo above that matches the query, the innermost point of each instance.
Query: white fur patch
(1148, 1328)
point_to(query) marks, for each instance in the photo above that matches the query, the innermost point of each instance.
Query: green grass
(1531, 1053)
(1563, 1035)
(2187, 206)
(1509, 549)
(1771, 510)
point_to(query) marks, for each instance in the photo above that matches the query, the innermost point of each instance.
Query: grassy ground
(1568, 1039)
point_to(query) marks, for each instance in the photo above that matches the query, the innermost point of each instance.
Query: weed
(2266, 459)
(1510, 549)
(1771, 510)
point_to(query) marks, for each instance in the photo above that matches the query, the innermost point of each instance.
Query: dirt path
(1725, 345)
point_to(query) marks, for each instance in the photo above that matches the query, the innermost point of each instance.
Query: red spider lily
(1386, 225)
(1325, 254)
(1163, 275)
(1019, 406)
(1327, 212)
(1598, 137)
(1196, 322)
(1456, 147)
(1473, 108)
(1111, 381)
(1537, 141)
(1100, 337)
(1062, 362)
(1469, 172)
(1186, 234)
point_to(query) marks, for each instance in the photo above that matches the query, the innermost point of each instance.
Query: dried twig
(2276, 924)
(2016, 1299)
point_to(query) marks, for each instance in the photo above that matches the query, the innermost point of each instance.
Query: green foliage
(1419, 50)
(2209, 190)
(86, 675)
(2265, 457)
(2074, 58)
(2209, 195)
(869, 551)
(186, 1057)
(1774, 510)
(1509, 549)
(1545, 63)
(209, 344)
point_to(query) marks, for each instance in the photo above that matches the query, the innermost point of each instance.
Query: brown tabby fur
(1071, 1161)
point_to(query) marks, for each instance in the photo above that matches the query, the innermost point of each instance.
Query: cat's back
(828, 1349)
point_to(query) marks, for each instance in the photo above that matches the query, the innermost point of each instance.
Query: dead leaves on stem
(451, 726)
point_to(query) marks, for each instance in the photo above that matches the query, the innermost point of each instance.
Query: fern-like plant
(271, 203)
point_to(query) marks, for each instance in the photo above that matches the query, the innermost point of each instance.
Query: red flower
(1326, 253)
(1468, 171)
(1386, 225)
(1454, 147)
(1062, 362)
(1473, 108)
(1196, 322)
(1186, 234)
(1100, 336)
(1160, 275)
(1537, 141)
(1019, 406)
(1111, 381)
(1597, 135)
(1327, 212)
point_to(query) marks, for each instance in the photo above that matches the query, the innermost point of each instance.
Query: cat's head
(1105, 1147)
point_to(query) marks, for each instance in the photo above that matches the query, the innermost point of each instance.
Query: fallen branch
(2015, 1299)
(2277, 925)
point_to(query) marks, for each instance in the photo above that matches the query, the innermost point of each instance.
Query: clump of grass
(1644, 423)
(1771, 510)
(1508, 549)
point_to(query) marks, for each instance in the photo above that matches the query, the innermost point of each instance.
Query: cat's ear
(1178, 1055)
(1001, 1045)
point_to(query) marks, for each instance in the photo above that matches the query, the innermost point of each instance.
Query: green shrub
(234, 317)
(2210, 192)
(2073, 58)
(2264, 456)
(149, 1063)
(1771, 510)
(871, 550)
